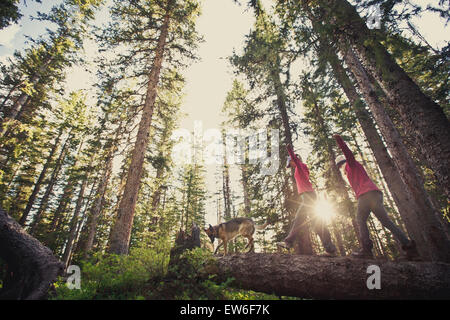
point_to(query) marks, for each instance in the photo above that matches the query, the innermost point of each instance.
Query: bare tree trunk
(121, 232)
(32, 267)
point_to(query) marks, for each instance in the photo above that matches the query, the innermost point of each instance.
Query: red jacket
(356, 174)
(301, 174)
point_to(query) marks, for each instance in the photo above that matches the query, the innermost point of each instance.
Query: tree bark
(424, 220)
(74, 225)
(32, 267)
(97, 205)
(121, 232)
(313, 277)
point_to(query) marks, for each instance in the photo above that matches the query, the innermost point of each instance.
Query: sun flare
(324, 209)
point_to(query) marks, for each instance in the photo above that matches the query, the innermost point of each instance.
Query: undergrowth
(146, 274)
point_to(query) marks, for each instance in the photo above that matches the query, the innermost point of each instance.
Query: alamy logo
(74, 280)
(374, 17)
(239, 146)
(374, 280)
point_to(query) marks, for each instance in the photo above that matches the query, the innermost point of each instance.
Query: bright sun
(324, 210)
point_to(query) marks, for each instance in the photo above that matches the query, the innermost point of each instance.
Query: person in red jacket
(308, 197)
(370, 199)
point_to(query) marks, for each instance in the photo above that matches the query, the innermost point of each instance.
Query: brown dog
(231, 229)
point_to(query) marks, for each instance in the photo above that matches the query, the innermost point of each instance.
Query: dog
(231, 229)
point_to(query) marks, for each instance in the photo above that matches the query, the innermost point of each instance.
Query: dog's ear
(210, 227)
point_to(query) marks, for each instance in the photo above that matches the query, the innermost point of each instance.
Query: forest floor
(145, 274)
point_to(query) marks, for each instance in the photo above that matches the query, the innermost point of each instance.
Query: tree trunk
(424, 221)
(245, 189)
(23, 100)
(74, 225)
(121, 232)
(303, 245)
(32, 267)
(422, 118)
(65, 198)
(159, 181)
(226, 182)
(341, 189)
(313, 277)
(97, 205)
(44, 201)
(37, 185)
(156, 196)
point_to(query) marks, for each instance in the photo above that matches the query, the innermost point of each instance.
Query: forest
(104, 194)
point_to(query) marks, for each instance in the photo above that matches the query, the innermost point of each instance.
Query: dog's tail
(262, 227)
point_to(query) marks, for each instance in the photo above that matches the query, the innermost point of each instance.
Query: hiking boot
(410, 251)
(362, 254)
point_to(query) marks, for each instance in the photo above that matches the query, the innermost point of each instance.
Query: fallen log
(314, 277)
(31, 267)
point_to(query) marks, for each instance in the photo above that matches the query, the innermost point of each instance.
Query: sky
(224, 25)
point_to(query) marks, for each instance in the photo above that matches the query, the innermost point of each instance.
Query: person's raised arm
(345, 149)
(297, 160)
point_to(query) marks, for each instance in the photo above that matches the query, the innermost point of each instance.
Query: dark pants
(306, 207)
(372, 201)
